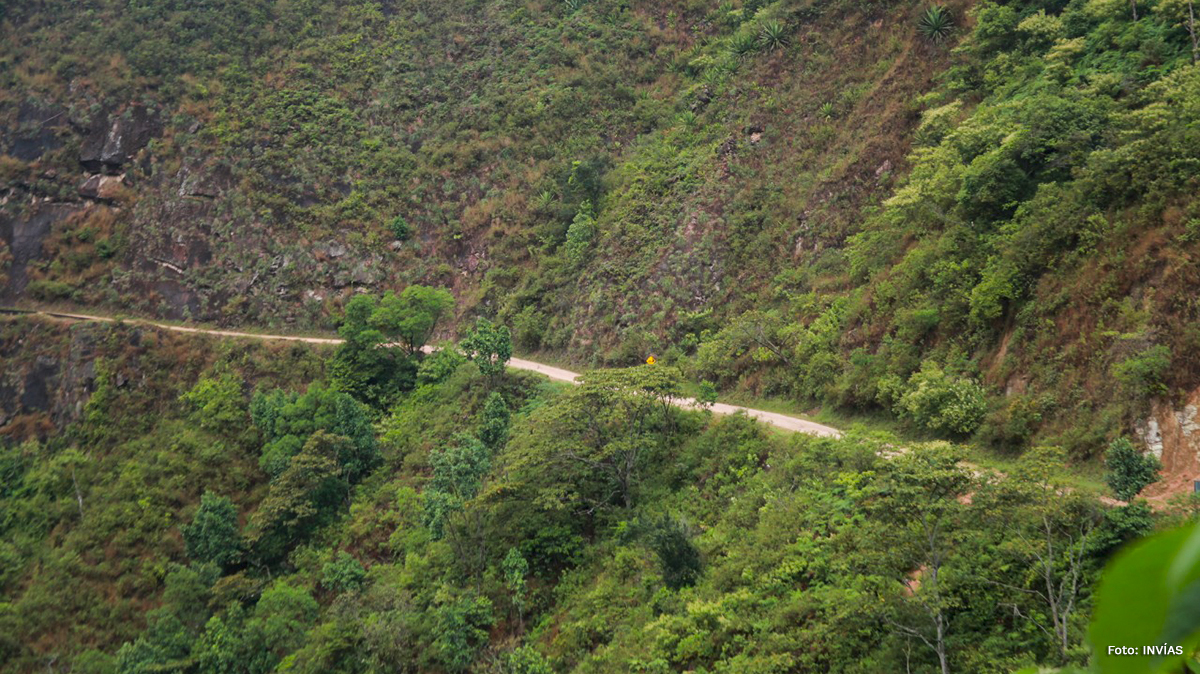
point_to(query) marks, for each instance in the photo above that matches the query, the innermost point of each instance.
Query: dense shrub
(213, 534)
(942, 402)
(1128, 470)
(1144, 373)
(288, 420)
(400, 228)
(49, 291)
(343, 573)
(218, 403)
(678, 557)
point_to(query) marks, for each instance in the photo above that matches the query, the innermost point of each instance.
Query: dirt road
(783, 421)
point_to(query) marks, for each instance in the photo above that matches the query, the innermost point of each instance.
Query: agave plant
(713, 78)
(772, 36)
(826, 110)
(544, 200)
(744, 45)
(572, 6)
(687, 119)
(936, 24)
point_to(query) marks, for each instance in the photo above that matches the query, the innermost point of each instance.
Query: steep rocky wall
(46, 376)
(1172, 433)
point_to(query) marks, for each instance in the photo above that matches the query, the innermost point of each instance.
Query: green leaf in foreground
(1149, 596)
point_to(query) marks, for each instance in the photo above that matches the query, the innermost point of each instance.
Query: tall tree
(459, 470)
(594, 441)
(362, 366)
(305, 494)
(516, 569)
(288, 420)
(493, 424)
(1048, 529)
(382, 340)
(922, 506)
(411, 317)
(1129, 471)
(213, 536)
(490, 346)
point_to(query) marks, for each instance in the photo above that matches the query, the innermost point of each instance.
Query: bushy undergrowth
(506, 525)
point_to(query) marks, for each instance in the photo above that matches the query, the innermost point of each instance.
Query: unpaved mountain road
(782, 421)
(775, 419)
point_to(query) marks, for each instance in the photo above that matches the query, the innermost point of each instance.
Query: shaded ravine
(775, 419)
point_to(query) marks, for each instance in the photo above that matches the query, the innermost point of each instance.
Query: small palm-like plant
(544, 200)
(724, 14)
(713, 78)
(772, 36)
(744, 45)
(687, 119)
(936, 24)
(572, 6)
(826, 110)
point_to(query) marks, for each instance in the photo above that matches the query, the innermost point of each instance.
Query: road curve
(783, 421)
(772, 418)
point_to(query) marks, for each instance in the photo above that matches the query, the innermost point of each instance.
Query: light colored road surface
(773, 418)
(556, 373)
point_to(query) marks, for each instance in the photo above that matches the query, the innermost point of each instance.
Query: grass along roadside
(1087, 477)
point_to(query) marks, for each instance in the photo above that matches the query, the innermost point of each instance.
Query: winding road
(783, 421)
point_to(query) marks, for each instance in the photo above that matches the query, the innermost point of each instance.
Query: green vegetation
(942, 404)
(363, 366)
(489, 522)
(213, 534)
(973, 226)
(489, 346)
(1016, 209)
(936, 24)
(1129, 471)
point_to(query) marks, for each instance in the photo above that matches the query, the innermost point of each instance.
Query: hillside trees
(383, 338)
(458, 473)
(1048, 530)
(218, 402)
(1129, 471)
(922, 504)
(411, 317)
(460, 469)
(942, 402)
(489, 346)
(287, 421)
(494, 421)
(362, 366)
(213, 534)
(598, 436)
(253, 642)
(305, 495)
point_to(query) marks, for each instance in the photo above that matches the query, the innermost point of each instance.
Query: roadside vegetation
(242, 516)
(972, 226)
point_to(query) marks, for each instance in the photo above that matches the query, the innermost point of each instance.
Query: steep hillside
(178, 504)
(250, 161)
(987, 226)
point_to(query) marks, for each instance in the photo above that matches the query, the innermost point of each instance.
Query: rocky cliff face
(1172, 433)
(47, 376)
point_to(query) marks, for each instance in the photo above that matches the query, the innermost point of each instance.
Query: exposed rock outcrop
(207, 181)
(114, 140)
(37, 132)
(1173, 435)
(24, 235)
(54, 387)
(102, 187)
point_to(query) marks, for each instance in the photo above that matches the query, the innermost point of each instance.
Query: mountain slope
(798, 198)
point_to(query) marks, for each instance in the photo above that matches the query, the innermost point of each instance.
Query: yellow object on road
(650, 360)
